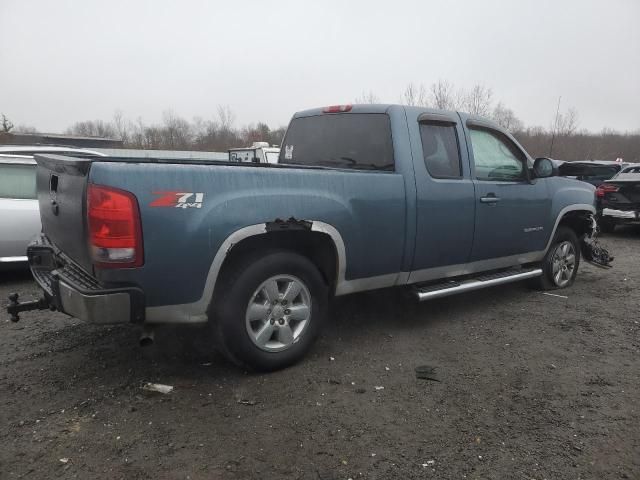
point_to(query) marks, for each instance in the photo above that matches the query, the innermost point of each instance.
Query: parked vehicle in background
(619, 200)
(362, 197)
(630, 168)
(259, 152)
(594, 172)
(19, 212)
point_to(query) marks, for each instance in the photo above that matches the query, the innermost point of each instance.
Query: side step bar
(449, 288)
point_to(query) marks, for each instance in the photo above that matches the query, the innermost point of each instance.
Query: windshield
(351, 140)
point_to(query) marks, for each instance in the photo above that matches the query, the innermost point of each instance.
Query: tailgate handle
(53, 190)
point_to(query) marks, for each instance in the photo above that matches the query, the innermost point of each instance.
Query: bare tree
(24, 129)
(505, 117)
(415, 95)
(478, 100)
(6, 125)
(369, 98)
(92, 128)
(443, 95)
(120, 125)
(567, 123)
(226, 117)
(176, 131)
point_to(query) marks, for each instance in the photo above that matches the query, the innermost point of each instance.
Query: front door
(511, 211)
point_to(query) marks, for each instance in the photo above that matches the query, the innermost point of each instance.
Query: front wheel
(270, 310)
(560, 264)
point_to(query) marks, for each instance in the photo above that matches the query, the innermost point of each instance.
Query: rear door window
(17, 181)
(360, 141)
(440, 150)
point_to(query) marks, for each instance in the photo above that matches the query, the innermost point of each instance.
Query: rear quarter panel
(367, 208)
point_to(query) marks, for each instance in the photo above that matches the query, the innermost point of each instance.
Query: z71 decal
(178, 199)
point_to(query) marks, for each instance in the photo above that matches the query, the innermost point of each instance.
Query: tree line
(561, 139)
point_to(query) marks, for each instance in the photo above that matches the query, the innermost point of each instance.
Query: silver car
(19, 213)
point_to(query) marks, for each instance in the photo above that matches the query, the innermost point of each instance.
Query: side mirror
(544, 167)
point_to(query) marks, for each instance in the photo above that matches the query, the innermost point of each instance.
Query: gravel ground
(530, 386)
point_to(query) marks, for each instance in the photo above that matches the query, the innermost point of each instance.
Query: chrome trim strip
(13, 259)
(448, 271)
(476, 285)
(369, 283)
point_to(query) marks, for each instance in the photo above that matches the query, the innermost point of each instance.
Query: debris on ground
(426, 372)
(379, 387)
(64, 460)
(246, 402)
(157, 387)
(594, 253)
(430, 463)
(554, 295)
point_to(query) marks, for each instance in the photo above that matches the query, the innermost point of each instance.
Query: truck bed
(367, 207)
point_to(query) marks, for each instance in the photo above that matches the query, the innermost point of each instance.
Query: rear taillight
(115, 234)
(337, 109)
(605, 188)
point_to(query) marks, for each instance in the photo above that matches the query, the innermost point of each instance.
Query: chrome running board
(428, 292)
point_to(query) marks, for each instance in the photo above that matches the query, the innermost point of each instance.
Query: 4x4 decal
(178, 199)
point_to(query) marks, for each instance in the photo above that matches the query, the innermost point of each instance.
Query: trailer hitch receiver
(14, 307)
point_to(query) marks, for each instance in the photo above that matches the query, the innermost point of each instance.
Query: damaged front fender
(592, 251)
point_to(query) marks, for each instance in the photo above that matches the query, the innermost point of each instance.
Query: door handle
(490, 198)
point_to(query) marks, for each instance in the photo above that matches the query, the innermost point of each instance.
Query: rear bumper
(621, 216)
(73, 291)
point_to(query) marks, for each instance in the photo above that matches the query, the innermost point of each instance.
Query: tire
(606, 225)
(564, 243)
(252, 323)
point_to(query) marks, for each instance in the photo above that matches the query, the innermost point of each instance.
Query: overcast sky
(65, 61)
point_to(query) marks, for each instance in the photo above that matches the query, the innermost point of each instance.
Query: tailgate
(62, 183)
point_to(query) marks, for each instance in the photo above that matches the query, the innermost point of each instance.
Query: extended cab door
(512, 211)
(445, 195)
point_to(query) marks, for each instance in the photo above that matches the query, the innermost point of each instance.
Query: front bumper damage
(592, 251)
(68, 288)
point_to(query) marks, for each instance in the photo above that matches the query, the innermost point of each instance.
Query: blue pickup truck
(363, 197)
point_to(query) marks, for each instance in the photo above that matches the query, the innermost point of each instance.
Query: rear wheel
(560, 264)
(270, 310)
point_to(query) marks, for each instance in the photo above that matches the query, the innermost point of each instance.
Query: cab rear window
(17, 181)
(359, 141)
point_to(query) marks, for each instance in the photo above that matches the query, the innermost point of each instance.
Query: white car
(259, 152)
(19, 213)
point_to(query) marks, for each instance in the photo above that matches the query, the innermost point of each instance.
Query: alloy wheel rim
(278, 313)
(563, 263)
